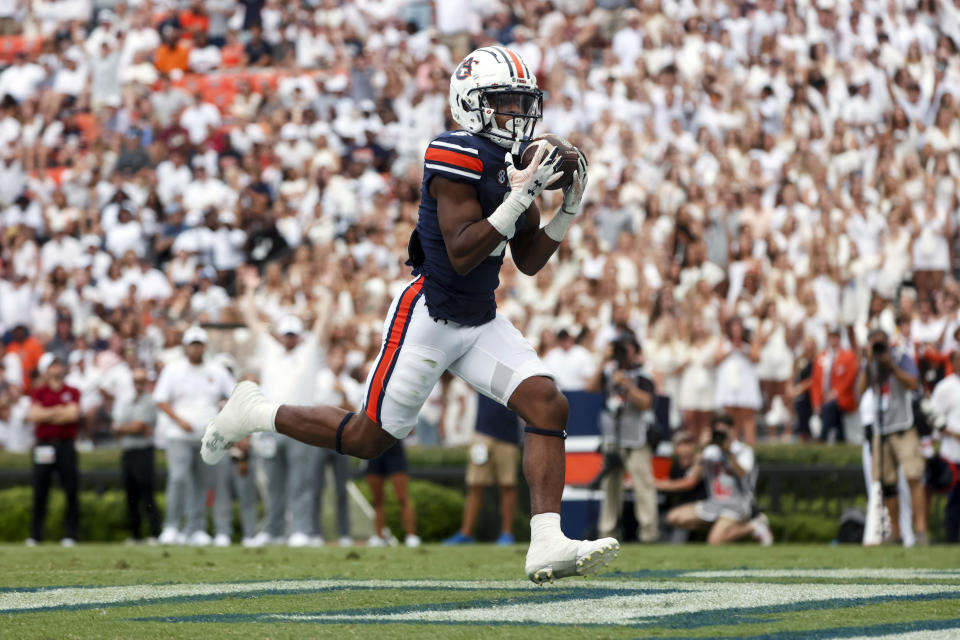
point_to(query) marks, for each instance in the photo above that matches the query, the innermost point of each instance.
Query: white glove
(525, 185)
(572, 202)
(573, 194)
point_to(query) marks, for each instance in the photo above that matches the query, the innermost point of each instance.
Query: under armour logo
(217, 441)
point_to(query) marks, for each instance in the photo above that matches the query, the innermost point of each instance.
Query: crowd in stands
(761, 176)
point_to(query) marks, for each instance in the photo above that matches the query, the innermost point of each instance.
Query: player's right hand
(543, 170)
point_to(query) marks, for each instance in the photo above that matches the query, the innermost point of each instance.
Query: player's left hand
(573, 194)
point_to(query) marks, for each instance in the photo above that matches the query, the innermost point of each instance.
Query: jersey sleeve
(455, 158)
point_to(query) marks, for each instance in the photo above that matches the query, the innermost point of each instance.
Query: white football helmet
(494, 81)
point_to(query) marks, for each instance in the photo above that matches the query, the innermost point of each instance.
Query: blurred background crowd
(768, 183)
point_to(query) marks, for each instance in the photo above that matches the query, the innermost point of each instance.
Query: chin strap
(343, 423)
(546, 432)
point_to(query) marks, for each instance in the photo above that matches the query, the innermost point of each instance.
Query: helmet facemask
(522, 107)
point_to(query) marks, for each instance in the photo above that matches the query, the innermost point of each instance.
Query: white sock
(545, 527)
(265, 416)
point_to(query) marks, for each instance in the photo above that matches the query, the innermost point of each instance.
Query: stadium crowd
(768, 183)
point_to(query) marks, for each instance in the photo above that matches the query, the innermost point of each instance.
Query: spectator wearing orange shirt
(833, 389)
(28, 348)
(194, 19)
(171, 54)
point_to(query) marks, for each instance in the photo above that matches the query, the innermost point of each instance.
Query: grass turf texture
(473, 592)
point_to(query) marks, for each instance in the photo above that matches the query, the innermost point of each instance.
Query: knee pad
(890, 491)
(546, 432)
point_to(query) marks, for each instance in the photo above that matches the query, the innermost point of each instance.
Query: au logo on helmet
(465, 69)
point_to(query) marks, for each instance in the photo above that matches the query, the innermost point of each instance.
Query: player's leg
(414, 355)
(538, 400)
(502, 365)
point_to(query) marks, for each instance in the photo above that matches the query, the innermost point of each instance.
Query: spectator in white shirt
(189, 392)
(62, 250)
(16, 433)
(200, 119)
(126, 235)
(572, 364)
(210, 299)
(289, 363)
(204, 57)
(22, 79)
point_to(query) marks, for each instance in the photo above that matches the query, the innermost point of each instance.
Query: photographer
(626, 423)
(726, 466)
(892, 376)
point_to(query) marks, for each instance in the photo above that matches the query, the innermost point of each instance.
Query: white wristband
(558, 225)
(504, 219)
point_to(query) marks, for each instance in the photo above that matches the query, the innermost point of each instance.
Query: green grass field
(110, 591)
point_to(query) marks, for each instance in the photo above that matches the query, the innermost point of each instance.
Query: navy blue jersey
(464, 157)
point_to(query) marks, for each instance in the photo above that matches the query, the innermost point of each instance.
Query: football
(569, 153)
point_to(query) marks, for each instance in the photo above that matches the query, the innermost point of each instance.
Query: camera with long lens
(621, 353)
(718, 437)
(880, 347)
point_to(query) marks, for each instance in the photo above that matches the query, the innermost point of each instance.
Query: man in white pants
(188, 393)
(289, 362)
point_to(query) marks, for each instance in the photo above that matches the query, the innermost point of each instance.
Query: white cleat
(237, 419)
(565, 558)
(221, 540)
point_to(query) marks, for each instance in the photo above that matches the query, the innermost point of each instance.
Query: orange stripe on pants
(392, 348)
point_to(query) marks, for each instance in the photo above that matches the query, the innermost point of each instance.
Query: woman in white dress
(775, 367)
(931, 250)
(696, 398)
(738, 389)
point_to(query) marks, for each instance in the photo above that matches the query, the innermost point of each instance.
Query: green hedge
(438, 509)
(103, 518)
(805, 455)
(431, 457)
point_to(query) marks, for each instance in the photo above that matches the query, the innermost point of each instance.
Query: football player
(473, 202)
